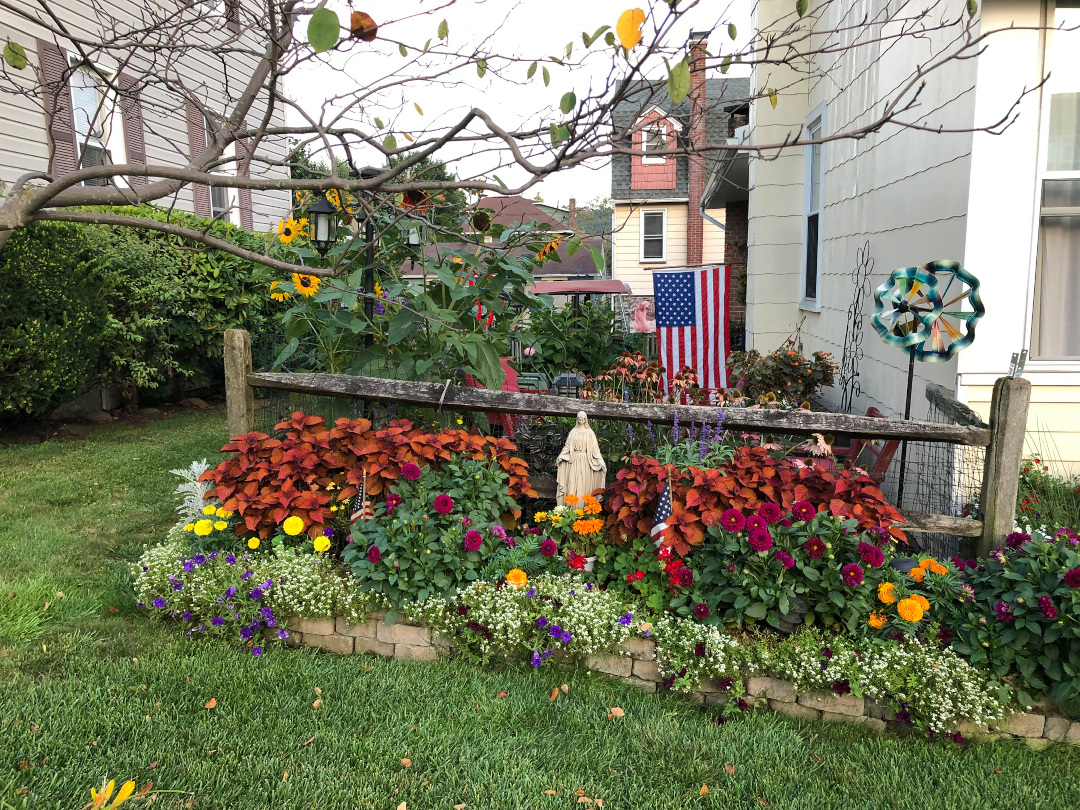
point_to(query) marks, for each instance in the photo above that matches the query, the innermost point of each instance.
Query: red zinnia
(760, 540)
(444, 504)
(871, 555)
(814, 547)
(374, 555)
(684, 577)
(771, 512)
(733, 520)
(548, 548)
(701, 610)
(409, 471)
(852, 575)
(473, 538)
(1072, 577)
(755, 523)
(803, 510)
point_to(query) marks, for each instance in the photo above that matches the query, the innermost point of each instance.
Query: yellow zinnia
(877, 620)
(221, 525)
(321, 544)
(203, 528)
(293, 525)
(517, 578)
(209, 510)
(909, 609)
(280, 295)
(885, 593)
(540, 517)
(253, 543)
(306, 285)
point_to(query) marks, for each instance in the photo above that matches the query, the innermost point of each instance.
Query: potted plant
(576, 527)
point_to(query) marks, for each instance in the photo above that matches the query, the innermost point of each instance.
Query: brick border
(634, 663)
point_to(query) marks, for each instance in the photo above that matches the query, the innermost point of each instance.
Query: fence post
(1001, 470)
(239, 396)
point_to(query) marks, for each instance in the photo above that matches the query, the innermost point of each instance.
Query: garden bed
(634, 663)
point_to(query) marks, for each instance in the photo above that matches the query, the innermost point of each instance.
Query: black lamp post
(324, 224)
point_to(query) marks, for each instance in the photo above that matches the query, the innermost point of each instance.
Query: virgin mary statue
(581, 468)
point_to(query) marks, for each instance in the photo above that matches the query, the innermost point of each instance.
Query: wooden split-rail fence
(1003, 436)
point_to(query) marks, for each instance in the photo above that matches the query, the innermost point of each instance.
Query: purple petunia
(529, 594)
(230, 558)
(536, 660)
(199, 559)
(230, 592)
(189, 566)
(187, 616)
(217, 621)
(177, 585)
(256, 651)
(255, 593)
(761, 540)
(245, 632)
(625, 619)
(159, 602)
(564, 637)
(328, 531)
(246, 574)
(852, 574)
(785, 559)
(555, 631)
(283, 634)
(542, 621)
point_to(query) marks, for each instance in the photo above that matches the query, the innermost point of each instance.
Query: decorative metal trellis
(850, 387)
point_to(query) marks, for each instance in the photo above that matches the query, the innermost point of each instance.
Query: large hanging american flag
(692, 322)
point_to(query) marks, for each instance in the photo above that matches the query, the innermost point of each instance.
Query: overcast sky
(525, 29)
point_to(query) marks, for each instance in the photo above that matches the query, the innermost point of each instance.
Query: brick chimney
(571, 214)
(696, 172)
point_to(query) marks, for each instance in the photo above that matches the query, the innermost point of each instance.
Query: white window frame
(1044, 363)
(657, 127)
(231, 212)
(662, 259)
(113, 142)
(816, 119)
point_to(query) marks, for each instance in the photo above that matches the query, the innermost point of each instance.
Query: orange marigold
(938, 568)
(909, 609)
(877, 620)
(917, 574)
(922, 601)
(885, 593)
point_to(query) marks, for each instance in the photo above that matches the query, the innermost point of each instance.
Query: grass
(89, 692)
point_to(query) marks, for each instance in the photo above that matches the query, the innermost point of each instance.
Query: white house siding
(627, 265)
(23, 143)
(902, 190)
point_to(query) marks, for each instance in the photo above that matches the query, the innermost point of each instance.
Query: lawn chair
(881, 452)
(503, 421)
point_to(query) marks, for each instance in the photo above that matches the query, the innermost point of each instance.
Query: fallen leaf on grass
(816, 758)
(461, 806)
(152, 765)
(46, 606)
(317, 704)
(565, 689)
(730, 769)
(318, 691)
(406, 762)
(704, 790)
(762, 802)
(213, 751)
(113, 609)
(285, 777)
(584, 800)
(425, 783)
(34, 728)
(551, 792)
(24, 764)
(554, 693)
(402, 806)
(210, 704)
(579, 792)
(500, 695)
(413, 728)
(308, 741)
(617, 712)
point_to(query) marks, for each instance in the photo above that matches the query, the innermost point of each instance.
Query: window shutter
(232, 15)
(196, 124)
(131, 113)
(244, 194)
(59, 121)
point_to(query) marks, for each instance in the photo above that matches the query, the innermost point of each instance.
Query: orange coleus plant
(751, 478)
(313, 468)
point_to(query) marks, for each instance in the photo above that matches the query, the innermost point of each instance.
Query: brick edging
(635, 664)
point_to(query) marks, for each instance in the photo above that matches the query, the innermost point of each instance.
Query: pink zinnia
(409, 471)
(444, 504)
(733, 520)
(852, 575)
(374, 555)
(871, 555)
(814, 547)
(756, 524)
(472, 540)
(760, 540)
(1072, 578)
(548, 548)
(803, 510)
(771, 512)
(784, 558)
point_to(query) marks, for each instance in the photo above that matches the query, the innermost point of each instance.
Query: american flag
(692, 322)
(663, 512)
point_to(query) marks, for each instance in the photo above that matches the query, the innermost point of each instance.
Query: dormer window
(654, 139)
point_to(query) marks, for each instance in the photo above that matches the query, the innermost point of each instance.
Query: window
(95, 115)
(654, 140)
(812, 229)
(654, 235)
(223, 199)
(1055, 328)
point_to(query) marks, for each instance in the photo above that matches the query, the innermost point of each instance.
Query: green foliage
(14, 55)
(52, 316)
(1025, 616)
(1046, 500)
(423, 552)
(783, 375)
(323, 30)
(569, 340)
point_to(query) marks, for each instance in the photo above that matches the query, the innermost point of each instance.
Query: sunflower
(306, 285)
(280, 295)
(289, 229)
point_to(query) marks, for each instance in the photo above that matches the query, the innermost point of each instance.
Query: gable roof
(512, 211)
(642, 97)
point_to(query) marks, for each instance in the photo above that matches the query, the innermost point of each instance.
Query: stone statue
(581, 468)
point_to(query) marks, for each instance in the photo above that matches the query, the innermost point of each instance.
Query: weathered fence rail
(1003, 437)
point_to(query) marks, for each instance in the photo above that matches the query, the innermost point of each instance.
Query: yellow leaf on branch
(629, 26)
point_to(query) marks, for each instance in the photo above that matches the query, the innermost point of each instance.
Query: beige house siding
(1053, 424)
(627, 265)
(23, 143)
(712, 243)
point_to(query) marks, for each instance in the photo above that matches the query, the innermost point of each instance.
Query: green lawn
(88, 692)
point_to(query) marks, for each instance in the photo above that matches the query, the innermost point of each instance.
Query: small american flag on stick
(362, 507)
(663, 512)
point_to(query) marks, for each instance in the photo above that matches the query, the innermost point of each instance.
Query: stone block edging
(634, 663)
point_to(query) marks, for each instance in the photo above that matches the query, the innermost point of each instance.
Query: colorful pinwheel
(954, 328)
(906, 306)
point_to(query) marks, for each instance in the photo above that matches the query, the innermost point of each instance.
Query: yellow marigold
(877, 620)
(321, 544)
(540, 517)
(924, 564)
(306, 285)
(516, 577)
(221, 525)
(571, 500)
(280, 295)
(917, 574)
(885, 593)
(253, 543)
(189, 527)
(921, 600)
(209, 510)
(203, 528)
(293, 525)
(909, 609)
